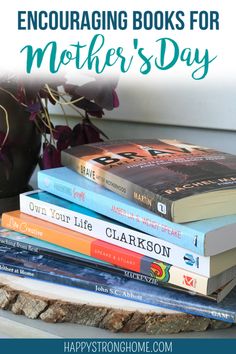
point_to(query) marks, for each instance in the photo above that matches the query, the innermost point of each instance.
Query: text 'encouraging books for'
(179, 181)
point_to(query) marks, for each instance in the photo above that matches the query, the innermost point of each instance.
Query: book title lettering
(54, 214)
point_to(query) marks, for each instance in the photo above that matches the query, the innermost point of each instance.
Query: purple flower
(34, 109)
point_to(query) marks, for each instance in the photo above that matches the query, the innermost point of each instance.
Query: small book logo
(189, 281)
(161, 208)
(190, 260)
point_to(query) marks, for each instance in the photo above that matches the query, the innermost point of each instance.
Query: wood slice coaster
(55, 303)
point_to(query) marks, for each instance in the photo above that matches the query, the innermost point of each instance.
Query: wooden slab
(55, 303)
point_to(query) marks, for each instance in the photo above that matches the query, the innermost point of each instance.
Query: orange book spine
(72, 240)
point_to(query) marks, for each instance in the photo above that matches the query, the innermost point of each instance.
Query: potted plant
(25, 123)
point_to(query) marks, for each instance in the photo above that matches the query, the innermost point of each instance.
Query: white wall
(205, 104)
(218, 139)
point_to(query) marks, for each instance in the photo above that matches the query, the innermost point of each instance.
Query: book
(203, 237)
(178, 181)
(31, 265)
(18, 240)
(72, 216)
(28, 243)
(135, 265)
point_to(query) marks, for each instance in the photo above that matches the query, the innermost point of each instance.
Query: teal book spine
(69, 185)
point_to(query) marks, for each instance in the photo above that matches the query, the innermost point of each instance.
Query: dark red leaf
(86, 105)
(79, 137)
(101, 92)
(91, 134)
(63, 135)
(51, 157)
(90, 107)
(97, 114)
(116, 102)
(60, 129)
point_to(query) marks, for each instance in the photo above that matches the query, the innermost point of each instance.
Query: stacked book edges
(77, 233)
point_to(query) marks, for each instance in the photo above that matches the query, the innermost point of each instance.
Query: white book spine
(116, 234)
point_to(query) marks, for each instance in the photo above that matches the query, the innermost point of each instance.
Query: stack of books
(152, 221)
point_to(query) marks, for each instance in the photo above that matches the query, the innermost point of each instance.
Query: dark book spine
(21, 245)
(49, 276)
(116, 291)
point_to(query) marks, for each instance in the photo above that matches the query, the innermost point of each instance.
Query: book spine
(135, 266)
(130, 215)
(27, 246)
(151, 298)
(79, 260)
(51, 276)
(127, 189)
(116, 234)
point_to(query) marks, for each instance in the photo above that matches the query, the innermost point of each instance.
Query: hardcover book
(134, 265)
(203, 237)
(178, 181)
(32, 265)
(59, 211)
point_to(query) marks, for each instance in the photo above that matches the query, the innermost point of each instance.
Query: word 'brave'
(143, 154)
(165, 54)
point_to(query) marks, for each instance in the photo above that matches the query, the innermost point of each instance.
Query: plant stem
(7, 124)
(10, 94)
(64, 103)
(47, 118)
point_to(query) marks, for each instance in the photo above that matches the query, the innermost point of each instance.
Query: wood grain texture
(51, 309)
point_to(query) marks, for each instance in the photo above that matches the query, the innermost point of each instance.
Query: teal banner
(61, 346)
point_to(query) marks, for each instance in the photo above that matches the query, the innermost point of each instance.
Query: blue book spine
(69, 185)
(32, 265)
(17, 240)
